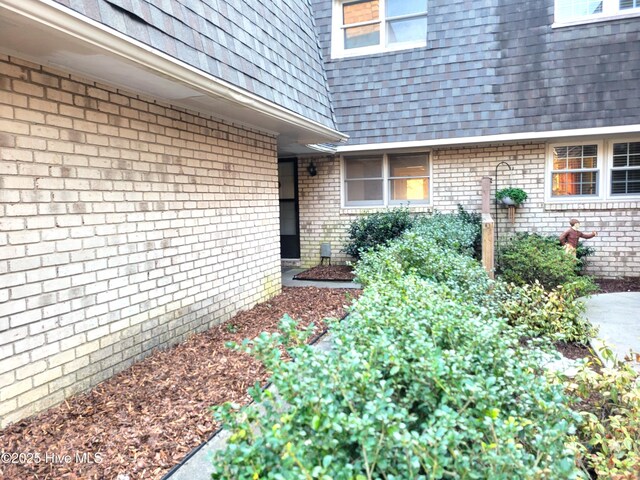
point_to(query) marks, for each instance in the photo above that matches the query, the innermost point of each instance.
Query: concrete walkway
(288, 281)
(617, 315)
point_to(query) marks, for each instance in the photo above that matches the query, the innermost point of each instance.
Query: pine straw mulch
(144, 420)
(339, 273)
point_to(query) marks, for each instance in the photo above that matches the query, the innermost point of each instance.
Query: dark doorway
(289, 222)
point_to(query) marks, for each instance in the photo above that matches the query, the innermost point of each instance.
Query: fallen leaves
(145, 419)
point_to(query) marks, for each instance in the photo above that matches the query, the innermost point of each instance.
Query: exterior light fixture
(313, 171)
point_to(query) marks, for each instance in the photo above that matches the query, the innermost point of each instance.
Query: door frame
(296, 201)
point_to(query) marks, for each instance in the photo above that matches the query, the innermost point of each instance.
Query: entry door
(289, 224)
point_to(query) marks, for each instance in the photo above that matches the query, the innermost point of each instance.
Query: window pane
(408, 30)
(405, 7)
(288, 218)
(363, 192)
(570, 9)
(575, 157)
(364, 167)
(575, 183)
(408, 166)
(626, 154)
(360, 12)
(625, 182)
(364, 36)
(416, 189)
(286, 180)
(624, 4)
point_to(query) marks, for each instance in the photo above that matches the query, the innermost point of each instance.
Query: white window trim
(610, 11)
(386, 202)
(337, 36)
(605, 163)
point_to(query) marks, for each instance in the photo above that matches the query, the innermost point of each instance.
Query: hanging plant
(511, 196)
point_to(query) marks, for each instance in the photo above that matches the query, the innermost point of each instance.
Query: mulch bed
(573, 351)
(629, 284)
(144, 420)
(337, 273)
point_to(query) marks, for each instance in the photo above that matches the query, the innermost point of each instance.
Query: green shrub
(555, 313)
(418, 254)
(460, 232)
(608, 438)
(419, 385)
(530, 257)
(377, 229)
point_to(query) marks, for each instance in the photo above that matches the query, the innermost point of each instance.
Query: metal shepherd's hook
(496, 208)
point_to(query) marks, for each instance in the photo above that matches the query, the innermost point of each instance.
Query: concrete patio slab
(617, 315)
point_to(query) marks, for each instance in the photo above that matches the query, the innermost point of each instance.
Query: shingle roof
(489, 68)
(269, 48)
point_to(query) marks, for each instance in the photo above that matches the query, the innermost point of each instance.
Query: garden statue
(569, 239)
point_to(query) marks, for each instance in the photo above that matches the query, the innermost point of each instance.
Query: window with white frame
(389, 179)
(625, 169)
(575, 170)
(577, 10)
(595, 170)
(370, 26)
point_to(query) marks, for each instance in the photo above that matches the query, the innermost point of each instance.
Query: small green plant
(376, 229)
(608, 438)
(530, 257)
(230, 327)
(557, 314)
(517, 195)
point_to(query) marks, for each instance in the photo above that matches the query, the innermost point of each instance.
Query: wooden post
(488, 244)
(486, 194)
(488, 228)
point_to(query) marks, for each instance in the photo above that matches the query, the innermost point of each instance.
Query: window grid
(625, 169)
(393, 27)
(386, 182)
(575, 171)
(575, 10)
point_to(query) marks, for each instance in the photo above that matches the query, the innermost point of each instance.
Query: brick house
(434, 95)
(157, 159)
(139, 177)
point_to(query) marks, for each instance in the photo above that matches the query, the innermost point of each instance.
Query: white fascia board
(70, 22)
(508, 137)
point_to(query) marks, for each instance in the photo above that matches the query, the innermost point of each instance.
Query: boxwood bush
(460, 232)
(419, 385)
(377, 229)
(421, 255)
(531, 257)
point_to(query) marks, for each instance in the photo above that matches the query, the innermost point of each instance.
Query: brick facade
(457, 173)
(125, 225)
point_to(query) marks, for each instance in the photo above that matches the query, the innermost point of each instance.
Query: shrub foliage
(528, 258)
(377, 229)
(419, 385)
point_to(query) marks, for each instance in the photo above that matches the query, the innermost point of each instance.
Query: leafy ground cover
(341, 273)
(146, 419)
(437, 373)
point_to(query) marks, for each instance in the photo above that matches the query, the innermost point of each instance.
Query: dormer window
(362, 27)
(585, 11)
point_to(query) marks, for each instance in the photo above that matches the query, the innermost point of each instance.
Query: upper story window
(363, 27)
(578, 11)
(389, 179)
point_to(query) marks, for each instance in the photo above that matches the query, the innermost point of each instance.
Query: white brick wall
(457, 173)
(125, 225)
